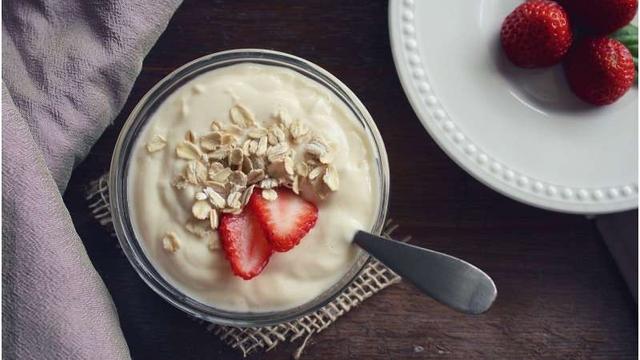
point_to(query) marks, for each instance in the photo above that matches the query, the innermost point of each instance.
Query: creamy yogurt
(292, 278)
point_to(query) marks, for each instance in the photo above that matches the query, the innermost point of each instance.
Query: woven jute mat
(373, 278)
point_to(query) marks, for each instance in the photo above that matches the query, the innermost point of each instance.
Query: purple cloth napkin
(68, 66)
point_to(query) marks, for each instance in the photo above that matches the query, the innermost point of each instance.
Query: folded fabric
(68, 66)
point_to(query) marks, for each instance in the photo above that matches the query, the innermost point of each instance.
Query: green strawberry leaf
(628, 36)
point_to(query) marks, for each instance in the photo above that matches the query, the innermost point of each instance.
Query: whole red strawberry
(601, 17)
(536, 34)
(599, 70)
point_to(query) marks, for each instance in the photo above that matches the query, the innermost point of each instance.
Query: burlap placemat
(373, 278)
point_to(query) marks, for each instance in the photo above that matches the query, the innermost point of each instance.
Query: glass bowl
(121, 159)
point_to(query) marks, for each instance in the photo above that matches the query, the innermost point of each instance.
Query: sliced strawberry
(285, 220)
(244, 244)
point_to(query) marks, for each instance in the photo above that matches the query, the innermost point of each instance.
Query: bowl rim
(118, 193)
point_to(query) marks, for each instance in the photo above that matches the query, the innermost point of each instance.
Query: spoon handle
(449, 280)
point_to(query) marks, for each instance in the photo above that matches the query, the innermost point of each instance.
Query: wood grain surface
(560, 293)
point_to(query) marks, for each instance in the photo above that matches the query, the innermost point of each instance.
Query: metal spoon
(449, 280)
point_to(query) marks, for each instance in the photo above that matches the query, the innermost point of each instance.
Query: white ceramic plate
(521, 132)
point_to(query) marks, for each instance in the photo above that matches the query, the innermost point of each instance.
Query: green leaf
(630, 29)
(628, 36)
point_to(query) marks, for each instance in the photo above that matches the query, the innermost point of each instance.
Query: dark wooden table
(560, 293)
